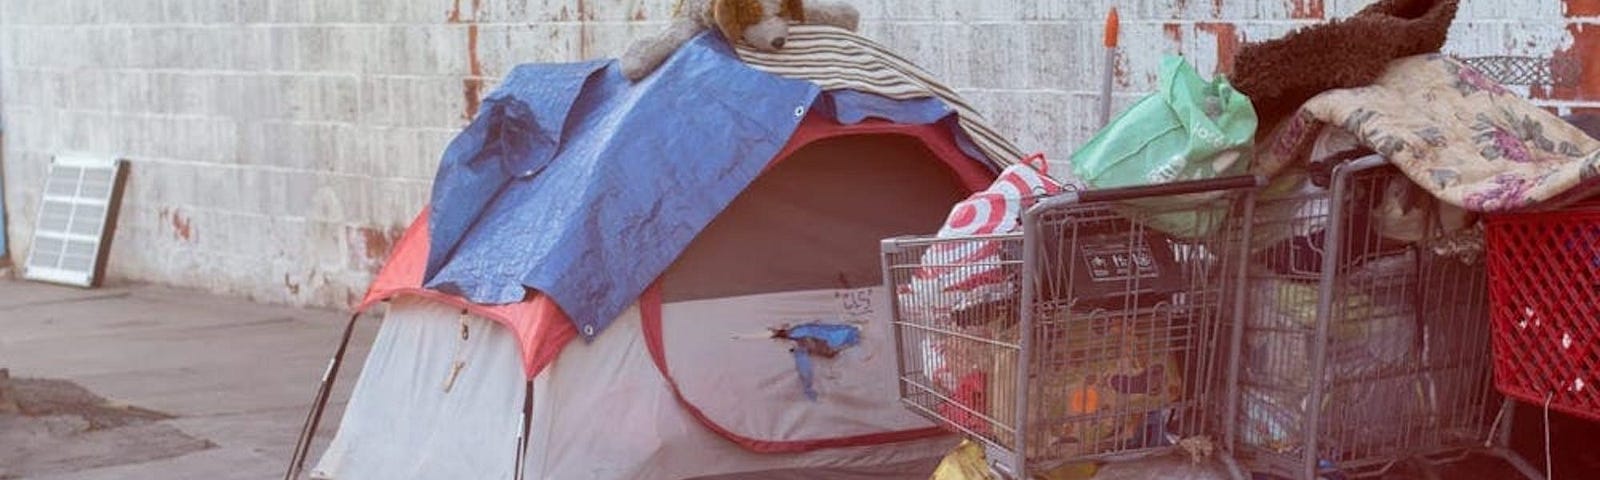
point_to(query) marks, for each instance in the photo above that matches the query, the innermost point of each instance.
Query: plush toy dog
(760, 24)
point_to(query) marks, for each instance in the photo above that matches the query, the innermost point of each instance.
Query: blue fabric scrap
(802, 364)
(817, 340)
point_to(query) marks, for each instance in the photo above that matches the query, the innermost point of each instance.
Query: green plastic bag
(1189, 129)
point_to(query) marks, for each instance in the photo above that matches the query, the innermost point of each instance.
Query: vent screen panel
(73, 220)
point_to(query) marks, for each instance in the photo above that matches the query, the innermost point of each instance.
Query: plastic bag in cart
(961, 274)
(1189, 129)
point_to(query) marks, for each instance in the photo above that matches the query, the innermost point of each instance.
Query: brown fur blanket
(1282, 74)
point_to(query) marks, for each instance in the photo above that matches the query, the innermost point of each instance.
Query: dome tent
(683, 380)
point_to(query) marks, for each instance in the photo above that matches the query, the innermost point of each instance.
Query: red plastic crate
(1544, 297)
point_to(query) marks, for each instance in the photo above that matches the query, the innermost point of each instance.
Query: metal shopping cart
(1395, 358)
(1096, 333)
(1364, 346)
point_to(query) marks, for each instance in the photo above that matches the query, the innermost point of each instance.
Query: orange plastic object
(1086, 400)
(1113, 24)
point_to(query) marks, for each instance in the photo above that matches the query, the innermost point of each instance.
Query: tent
(760, 348)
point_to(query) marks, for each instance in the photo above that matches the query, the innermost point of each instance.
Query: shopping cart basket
(1544, 278)
(1364, 347)
(1092, 334)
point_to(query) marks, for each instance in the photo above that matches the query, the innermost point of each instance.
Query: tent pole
(522, 439)
(308, 431)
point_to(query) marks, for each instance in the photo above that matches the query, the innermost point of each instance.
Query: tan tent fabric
(603, 412)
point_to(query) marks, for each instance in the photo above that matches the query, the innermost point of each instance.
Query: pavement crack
(64, 301)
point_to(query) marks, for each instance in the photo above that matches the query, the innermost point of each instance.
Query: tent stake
(308, 431)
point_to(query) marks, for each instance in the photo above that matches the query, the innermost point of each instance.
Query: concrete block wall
(278, 148)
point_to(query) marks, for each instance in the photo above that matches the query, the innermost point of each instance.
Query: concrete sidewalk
(237, 374)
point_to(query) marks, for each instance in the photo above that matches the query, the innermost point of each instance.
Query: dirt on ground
(55, 426)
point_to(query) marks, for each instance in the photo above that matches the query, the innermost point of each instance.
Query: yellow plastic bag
(967, 462)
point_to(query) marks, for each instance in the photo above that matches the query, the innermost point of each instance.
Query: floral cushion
(1454, 132)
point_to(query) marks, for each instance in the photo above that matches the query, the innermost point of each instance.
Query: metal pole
(1332, 244)
(1230, 410)
(1333, 248)
(1112, 27)
(1030, 280)
(1502, 444)
(522, 437)
(308, 431)
(888, 250)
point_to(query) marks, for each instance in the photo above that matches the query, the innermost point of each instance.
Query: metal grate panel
(1529, 71)
(75, 212)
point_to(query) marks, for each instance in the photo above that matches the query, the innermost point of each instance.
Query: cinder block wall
(278, 148)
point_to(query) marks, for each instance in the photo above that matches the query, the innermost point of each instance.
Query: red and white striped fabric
(956, 275)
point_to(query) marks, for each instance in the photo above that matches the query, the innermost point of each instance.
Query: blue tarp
(579, 184)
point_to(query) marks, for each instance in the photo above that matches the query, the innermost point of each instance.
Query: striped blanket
(838, 59)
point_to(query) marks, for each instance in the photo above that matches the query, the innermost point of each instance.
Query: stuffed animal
(760, 24)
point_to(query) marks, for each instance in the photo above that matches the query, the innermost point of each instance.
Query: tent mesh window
(815, 220)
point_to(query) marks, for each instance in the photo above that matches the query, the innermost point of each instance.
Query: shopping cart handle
(1172, 189)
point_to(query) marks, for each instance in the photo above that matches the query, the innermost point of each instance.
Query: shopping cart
(1093, 334)
(1366, 342)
